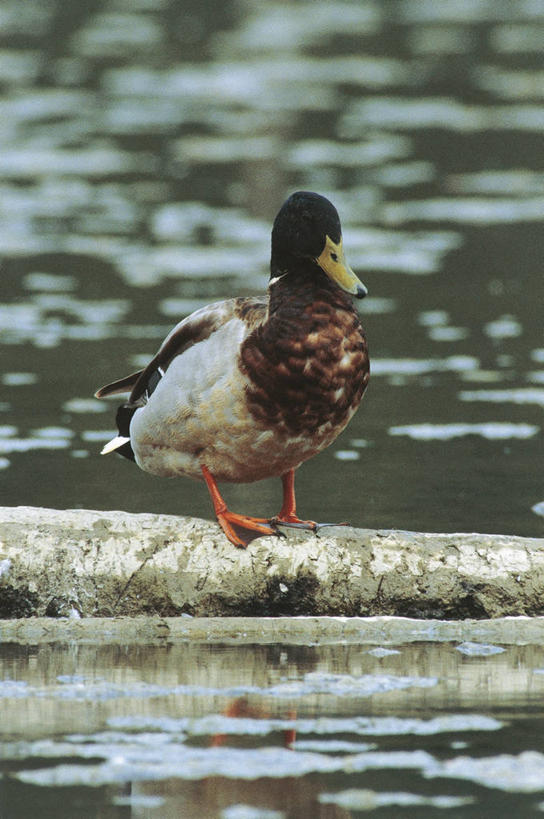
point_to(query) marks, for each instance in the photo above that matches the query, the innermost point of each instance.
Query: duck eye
(334, 257)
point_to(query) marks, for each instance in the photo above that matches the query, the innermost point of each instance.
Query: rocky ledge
(84, 563)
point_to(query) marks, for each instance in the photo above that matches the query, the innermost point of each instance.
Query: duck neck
(309, 284)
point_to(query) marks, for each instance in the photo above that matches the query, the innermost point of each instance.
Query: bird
(251, 387)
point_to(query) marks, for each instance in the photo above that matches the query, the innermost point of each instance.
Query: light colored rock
(83, 563)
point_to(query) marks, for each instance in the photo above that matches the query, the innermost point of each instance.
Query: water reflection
(203, 729)
(145, 149)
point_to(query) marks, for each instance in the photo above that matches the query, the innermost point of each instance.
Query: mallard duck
(251, 387)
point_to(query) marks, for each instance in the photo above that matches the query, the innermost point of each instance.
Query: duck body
(250, 388)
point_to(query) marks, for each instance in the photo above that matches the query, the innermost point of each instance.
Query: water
(199, 729)
(145, 149)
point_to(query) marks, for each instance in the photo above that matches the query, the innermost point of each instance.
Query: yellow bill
(333, 261)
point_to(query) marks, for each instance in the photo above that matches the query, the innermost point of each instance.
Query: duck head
(307, 237)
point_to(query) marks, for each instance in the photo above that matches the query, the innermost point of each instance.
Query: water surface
(232, 731)
(145, 149)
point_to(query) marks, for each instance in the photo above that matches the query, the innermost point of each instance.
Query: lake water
(145, 149)
(281, 731)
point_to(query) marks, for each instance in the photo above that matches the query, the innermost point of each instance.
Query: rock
(83, 563)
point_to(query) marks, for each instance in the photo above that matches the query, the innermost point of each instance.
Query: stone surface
(154, 630)
(83, 563)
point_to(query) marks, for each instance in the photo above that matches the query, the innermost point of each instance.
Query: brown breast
(308, 363)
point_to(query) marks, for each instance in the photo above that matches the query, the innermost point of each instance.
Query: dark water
(271, 732)
(145, 149)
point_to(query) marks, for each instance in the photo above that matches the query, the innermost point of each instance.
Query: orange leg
(240, 529)
(288, 514)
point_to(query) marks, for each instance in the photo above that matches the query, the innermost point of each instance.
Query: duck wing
(197, 327)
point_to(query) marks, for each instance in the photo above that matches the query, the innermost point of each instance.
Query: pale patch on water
(334, 685)
(418, 253)
(538, 508)
(250, 812)
(19, 67)
(503, 327)
(359, 799)
(518, 38)
(519, 395)
(320, 726)
(382, 652)
(150, 266)
(314, 152)
(378, 305)
(95, 435)
(130, 761)
(448, 334)
(49, 282)
(31, 18)
(443, 113)
(404, 174)
(276, 26)
(139, 800)
(433, 318)
(84, 405)
(28, 444)
(347, 455)
(114, 34)
(422, 366)
(523, 773)
(19, 379)
(28, 162)
(479, 649)
(333, 746)
(492, 431)
(183, 222)
(466, 12)
(477, 211)
(508, 84)
(515, 181)
(51, 317)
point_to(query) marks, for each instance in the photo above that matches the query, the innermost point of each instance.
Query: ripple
(19, 379)
(509, 84)
(314, 152)
(422, 366)
(478, 211)
(522, 773)
(441, 113)
(538, 509)
(10, 445)
(492, 431)
(84, 405)
(520, 395)
(28, 162)
(276, 26)
(114, 34)
(479, 649)
(358, 799)
(514, 38)
(503, 327)
(519, 181)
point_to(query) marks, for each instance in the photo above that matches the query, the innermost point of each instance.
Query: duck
(251, 387)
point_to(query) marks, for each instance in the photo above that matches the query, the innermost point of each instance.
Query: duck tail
(115, 443)
(121, 443)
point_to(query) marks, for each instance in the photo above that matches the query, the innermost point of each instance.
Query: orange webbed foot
(242, 529)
